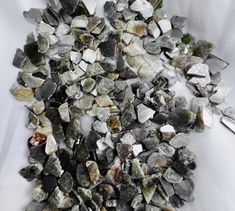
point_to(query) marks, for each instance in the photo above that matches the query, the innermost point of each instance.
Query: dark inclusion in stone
(32, 51)
(108, 47)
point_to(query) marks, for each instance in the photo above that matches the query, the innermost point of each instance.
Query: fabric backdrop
(214, 178)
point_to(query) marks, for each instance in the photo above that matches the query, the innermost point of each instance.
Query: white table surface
(215, 176)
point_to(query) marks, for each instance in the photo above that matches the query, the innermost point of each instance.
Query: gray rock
(172, 177)
(185, 190)
(82, 175)
(31, 172)
(178, 22)
(46, 90)
(53, 166)
(180, 140)
(35, 206)
(19, 58)
(38, 194)
(105, 86)
(216, 64)
(66, 182)
(56, 199)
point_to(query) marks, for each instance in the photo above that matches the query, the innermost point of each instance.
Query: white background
(215, 176)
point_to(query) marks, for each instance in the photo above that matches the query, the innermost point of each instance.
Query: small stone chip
(144, 113)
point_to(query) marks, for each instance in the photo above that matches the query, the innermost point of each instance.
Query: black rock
(82, 175)
(128, 192)
(159, 118)
(179, 119)
(32, 52)
(180, 168)
(49, 183)
(91, 140)
(81, 154)
(108, 47)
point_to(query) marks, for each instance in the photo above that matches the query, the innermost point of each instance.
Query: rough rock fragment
(46, 90)
(35, 206)
(165, 25)
(51, 145)
(64, 112)
(93, 170)
(142, 6)
(172, 177)
(89, 56)
(69, 6)
(178, 21)
(21, 93)
(53, 166)
(167, 132)
(144, 113)
(180, 140)
(148, 193)
(19, 58)
(66, 182)
(216, 64)
(157, 160)
(153, 29)
(138, 28)
(38, 194)
(56, 199)
(185, 190)
(90, 5)
(31, 172)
